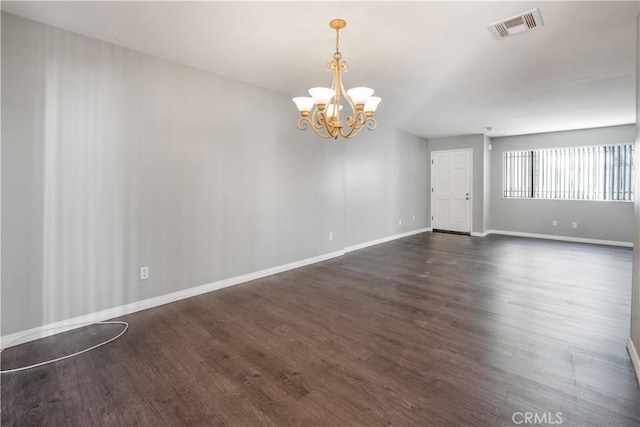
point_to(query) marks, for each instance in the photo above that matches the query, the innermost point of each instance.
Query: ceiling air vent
(517, 24)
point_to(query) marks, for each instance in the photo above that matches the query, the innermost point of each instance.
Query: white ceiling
(435, 64)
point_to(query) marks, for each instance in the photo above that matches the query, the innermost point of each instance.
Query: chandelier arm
(331, 130)
(361, 119)
(336, 85)
(305, 123)
(353, 132)
(322, 123)
(350, 121)
(321, 135)
(357, 123)
(358, 120)
(317, 119)
(371, 123)
(345, 67)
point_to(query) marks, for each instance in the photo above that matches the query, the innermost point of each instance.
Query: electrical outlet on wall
(574, 225)
(144, 272)
(554, 223)
(331, 235)
(413, 217)
(399, 222)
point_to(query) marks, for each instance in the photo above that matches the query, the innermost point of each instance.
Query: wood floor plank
(433, 329)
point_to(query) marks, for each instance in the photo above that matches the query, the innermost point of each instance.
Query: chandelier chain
(337, 54)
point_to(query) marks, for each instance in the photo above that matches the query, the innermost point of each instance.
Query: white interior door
(451, 190)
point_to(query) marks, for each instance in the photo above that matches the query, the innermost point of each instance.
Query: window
(603, 172)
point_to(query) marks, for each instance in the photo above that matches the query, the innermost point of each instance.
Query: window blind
(577, 173)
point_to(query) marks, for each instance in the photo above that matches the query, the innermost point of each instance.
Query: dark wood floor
(434, 329)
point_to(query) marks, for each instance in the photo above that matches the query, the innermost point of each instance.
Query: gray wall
(596, 219)
(635, 284)
(113, 159)
(477, 143)
(387, 181)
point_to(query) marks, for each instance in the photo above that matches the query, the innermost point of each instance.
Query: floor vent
(517, 24)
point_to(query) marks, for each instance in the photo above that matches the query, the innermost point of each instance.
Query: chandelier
(324, 119)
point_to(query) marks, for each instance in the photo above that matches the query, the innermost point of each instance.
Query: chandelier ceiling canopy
(322, 111)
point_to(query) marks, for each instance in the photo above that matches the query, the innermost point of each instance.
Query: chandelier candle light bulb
(324, 119)
(332, 111)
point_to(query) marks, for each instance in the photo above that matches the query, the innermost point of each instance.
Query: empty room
(320, 213)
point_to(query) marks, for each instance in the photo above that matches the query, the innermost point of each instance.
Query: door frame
(471, 199)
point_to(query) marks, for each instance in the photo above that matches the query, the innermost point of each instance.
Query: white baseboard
(476, 234)
(384, 239)
(633, 354)
(76, 322)
(66, 325)
(563, 238)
